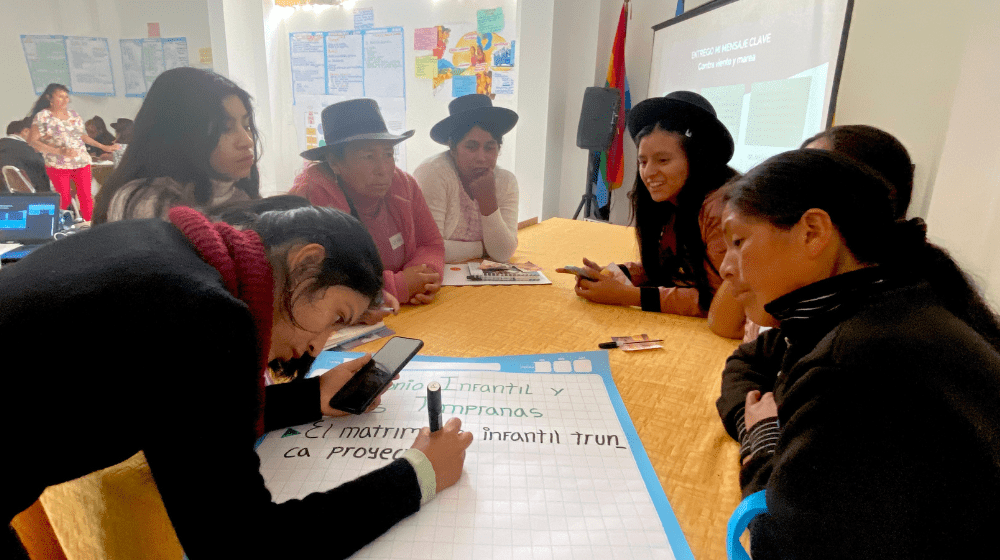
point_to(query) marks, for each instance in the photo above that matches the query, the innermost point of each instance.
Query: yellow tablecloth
(669, 393)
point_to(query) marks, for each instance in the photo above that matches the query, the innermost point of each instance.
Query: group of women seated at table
(868, 412)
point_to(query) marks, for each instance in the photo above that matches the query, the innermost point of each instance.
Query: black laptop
(28, 219)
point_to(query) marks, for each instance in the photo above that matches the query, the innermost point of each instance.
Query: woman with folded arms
(219, 306)
(473, 201)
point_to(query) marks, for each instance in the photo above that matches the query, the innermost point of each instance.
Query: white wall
(900, 73)
(535, 20)
(964, 213)
(111, 19)
(573, 54)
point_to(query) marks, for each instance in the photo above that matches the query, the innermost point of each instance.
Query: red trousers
(80, 176)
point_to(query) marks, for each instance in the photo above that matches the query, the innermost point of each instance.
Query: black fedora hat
(354, 119)
(121, 123)
(474, 108)
(688, 110)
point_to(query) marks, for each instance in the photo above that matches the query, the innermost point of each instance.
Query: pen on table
(614, 344)
(386, 310)
(434, 405)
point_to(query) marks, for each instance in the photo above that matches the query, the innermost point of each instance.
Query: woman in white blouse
(474, 202)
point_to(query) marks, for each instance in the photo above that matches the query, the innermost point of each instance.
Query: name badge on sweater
(396, 241)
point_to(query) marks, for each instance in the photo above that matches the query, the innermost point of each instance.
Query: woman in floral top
(59, 134)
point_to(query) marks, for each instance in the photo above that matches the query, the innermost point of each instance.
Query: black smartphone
(359, 392)
(581, 272)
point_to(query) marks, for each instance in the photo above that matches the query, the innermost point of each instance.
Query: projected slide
(767, 66)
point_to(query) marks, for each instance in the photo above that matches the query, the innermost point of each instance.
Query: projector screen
(769, 67)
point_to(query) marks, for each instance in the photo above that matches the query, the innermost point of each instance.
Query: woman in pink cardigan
(356, 172)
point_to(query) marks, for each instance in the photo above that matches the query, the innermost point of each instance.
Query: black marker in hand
(434, 405)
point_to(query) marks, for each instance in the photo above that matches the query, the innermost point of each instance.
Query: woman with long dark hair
(869, 414)
(194, 143)
(869, 145)
(683, 150)
(60, 135)
(184, 318)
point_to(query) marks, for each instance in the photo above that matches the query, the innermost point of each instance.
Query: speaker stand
(589, 199)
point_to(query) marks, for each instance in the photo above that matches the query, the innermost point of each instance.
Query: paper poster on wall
(425, 67)
(90, 66)
(175, 53)
(503, 83)
(349, 63)
(345, 64)
(463, 85)
(425, 38)
(308, 63)
(309, 125)
(489, 21)
(384, 71)
(143, 60)
(152, 60)
(470, 51)
(135, 82)
(47, 61)
(364, 18)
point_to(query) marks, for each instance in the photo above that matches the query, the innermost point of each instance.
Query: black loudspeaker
(598, 118)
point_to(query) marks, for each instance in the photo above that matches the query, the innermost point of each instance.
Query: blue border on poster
(68, 83)
(326, 69)
(142, 94)
(107, 49)
(525, 363)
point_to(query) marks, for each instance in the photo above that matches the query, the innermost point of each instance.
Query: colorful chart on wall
(556, 469)
(464, 58)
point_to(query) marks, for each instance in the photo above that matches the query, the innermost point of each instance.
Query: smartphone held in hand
(368, 383)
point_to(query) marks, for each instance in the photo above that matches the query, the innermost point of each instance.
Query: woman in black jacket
(870, 415)
(166, 329)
